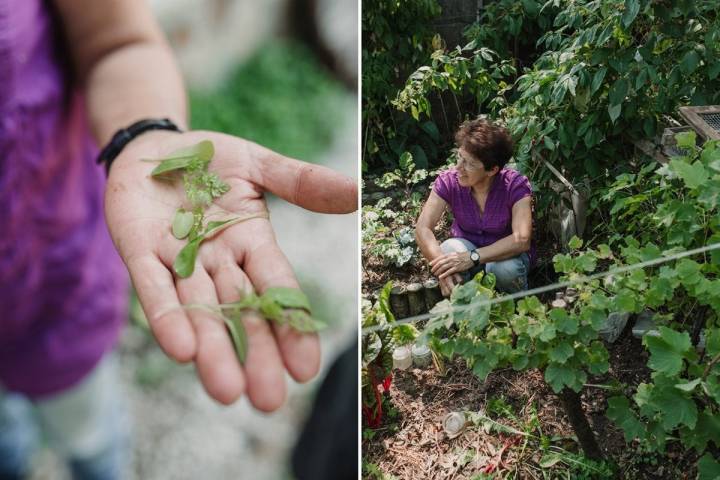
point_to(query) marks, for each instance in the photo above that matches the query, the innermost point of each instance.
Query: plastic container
(421, 355)
(454, 423)
(432, 293)
(402, 358)
(416, 299)
(399, 302)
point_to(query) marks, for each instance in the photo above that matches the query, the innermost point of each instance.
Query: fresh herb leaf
(184, 264)
(182, 223)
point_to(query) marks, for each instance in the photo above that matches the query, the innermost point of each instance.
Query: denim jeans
(86, 425)
(511, 274)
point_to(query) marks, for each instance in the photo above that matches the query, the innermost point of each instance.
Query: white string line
(548, 288)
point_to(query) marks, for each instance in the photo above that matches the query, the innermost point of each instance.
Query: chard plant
(285, 306)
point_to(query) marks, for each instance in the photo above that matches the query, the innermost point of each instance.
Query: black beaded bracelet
(126, 135)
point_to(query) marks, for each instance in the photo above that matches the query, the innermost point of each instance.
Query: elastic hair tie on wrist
(124, 136)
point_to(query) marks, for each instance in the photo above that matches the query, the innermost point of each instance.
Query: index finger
(313, 187)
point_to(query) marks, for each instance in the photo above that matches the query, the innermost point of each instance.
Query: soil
(411, 443)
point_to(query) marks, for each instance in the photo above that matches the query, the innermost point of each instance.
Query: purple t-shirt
(508, 187)
(64, 288)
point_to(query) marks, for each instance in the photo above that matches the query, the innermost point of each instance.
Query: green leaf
(618, 92)
(677, 409)
(575, 243)
(708, 468)
(271, 309)
(184, 264)
(431, 129)
(614, 112)
(667, 351)
(693, 175)
(689, 62)
(632, 7)
(561, 353)
(179, 159)
(302, 321)
(287, 297)
(559, 376)
(619, 412)
(686, 140)
(564, 322)
(216, 227)
(182, 223)
(238, 336)
(598, 79)
(688, 386)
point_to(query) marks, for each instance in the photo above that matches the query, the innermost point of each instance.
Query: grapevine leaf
(676, 408)
(666, 351)
(694, 175)
(559, 376)
(688, 386)
(561, 353)
(564, 322)
(619, 412)
(708, 468)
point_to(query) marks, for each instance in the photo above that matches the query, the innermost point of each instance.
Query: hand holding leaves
(242, 257)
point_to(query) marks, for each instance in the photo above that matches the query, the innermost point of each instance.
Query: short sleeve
(519, 189)
(443, 185)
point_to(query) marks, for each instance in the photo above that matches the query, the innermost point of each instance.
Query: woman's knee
(510, 274)
(456, 245)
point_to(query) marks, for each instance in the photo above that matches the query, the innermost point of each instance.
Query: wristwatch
(475, 257)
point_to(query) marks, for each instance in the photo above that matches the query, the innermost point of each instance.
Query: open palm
(241, 258)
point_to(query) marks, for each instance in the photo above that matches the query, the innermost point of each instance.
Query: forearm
(507, 247)
(136, 81)
(427, 243)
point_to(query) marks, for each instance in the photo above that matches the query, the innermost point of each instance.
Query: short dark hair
(488, 143)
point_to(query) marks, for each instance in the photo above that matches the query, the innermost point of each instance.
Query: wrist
(125, 136)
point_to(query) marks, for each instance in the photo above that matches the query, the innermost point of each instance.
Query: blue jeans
(511, 275)
(85, 424)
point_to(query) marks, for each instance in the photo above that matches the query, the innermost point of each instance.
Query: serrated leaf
(182, 223)
(686, 139)
(559, 376)
(564, 322)
(688, 386)
(575, 243)
(619, 412)
(667, 351)
(694, 175)
(708, 468)
(677, 409)
(561, 352)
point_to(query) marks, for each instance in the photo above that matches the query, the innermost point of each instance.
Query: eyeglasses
(469, 165)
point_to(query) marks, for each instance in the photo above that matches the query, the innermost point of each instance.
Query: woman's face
(471, 171)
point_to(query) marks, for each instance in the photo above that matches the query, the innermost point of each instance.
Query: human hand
(242, 258)
(448, 283)
(450, 263)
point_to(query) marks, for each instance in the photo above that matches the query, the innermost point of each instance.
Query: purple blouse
(508, 187)
(64, 288)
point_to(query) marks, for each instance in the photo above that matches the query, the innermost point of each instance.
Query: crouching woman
(492, 214)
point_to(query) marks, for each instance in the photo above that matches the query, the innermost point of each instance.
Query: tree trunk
(575, 413)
